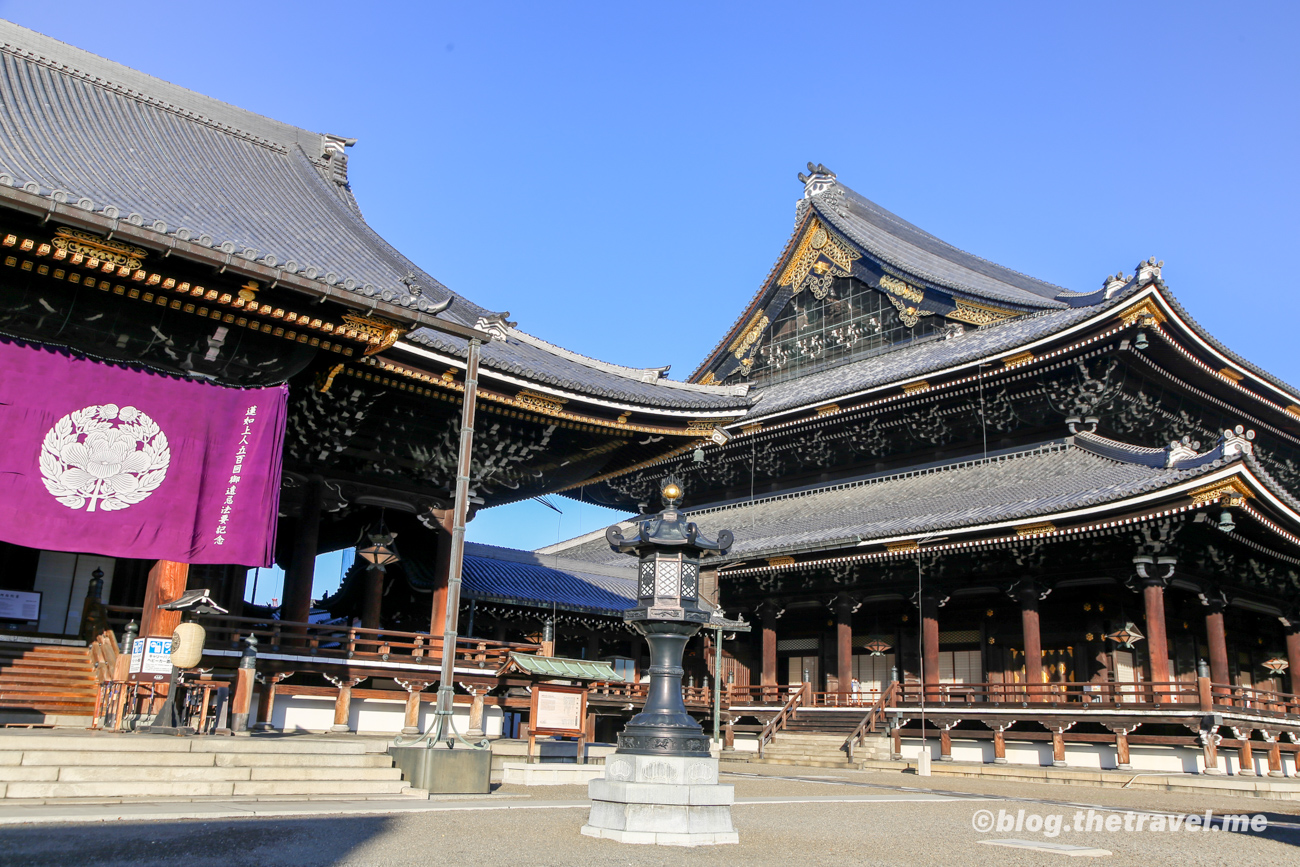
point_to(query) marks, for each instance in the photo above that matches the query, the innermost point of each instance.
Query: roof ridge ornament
(1114, 283)
(818, 180)
(496, 324)
(1149, 271)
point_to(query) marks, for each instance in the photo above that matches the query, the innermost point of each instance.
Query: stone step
(321, 787)
(162, 743)
(119, 790)
(121, 758)
(339, 774)
(109, 742)
(297, 760)
(140, 774)
(810, 763)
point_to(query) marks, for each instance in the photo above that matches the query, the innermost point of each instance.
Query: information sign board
(558, 710)
(151, 659)
(20, 605)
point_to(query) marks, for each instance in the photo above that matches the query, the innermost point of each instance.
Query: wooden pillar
(166, 583)
(296, 604)
(844, 607)
(1121, 732)
(373, 599)
(343, 703)
(1293, 654)
(999, 746)
(441, 572)
(930, 644)
(411, 722)
(1153, 594)
(1274, 753)
(1245, 755)
(897, 735)
(266, 703)
(477, 710)
(769, 615)
(1029, 623)
(1121, 750)
(945, 742)
(1218, 642)
(1058, 741)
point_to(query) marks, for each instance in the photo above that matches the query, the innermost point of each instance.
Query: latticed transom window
(850, 321)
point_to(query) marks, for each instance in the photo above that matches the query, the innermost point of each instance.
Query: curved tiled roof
(896, 242)
(524, 578)
(82, 130)
(1019, 486)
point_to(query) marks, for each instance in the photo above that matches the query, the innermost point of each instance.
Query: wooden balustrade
(327, 641)
(1094, 695)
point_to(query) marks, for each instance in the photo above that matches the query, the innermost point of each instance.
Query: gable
(831, 302)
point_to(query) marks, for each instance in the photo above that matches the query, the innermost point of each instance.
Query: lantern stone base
(664, 800)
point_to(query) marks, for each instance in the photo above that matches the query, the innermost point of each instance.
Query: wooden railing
(1256, 701)
(635, 693)
(1094, 695)
(760, 693)
(868, 725)
(329, 642)
(778, 722)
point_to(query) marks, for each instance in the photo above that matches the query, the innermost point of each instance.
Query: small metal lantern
(1127, 635)
(1277, 664)
(381, 551)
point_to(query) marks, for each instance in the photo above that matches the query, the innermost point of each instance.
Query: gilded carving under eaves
(97, 247)
(978, 314)
(819, 257)
(382, 333)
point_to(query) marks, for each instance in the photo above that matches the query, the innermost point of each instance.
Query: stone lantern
(661, 784)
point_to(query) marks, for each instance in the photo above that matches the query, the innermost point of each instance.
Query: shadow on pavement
(316, 842)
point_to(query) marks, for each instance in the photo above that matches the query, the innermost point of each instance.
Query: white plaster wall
(1153, 759)
(309, 713)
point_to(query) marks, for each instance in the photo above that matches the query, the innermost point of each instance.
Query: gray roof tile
(1019, 486)
(902, 245)
(99, 131)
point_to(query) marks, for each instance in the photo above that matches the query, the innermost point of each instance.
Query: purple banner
(107, 460)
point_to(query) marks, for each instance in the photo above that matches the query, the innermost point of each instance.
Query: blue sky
(573, 163)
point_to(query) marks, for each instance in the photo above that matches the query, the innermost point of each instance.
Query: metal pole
(460, 512)
(717, 679)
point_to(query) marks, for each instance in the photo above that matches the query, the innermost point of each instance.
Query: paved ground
(784, 816)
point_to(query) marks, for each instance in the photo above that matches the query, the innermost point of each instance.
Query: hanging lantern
(1277, 664)
(187, 645)
(877, 647)
(381, 551)
(1127, 635)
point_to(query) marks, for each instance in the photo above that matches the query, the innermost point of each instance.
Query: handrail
(778, 722)
(887, 698)
(332, 641)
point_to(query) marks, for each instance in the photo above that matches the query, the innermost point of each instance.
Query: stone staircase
(813, 738)
(46, 684)
(46, 765)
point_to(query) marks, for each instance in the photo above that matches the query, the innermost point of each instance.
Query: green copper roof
(554, 666)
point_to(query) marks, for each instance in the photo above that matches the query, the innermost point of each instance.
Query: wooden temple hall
(1064, 523)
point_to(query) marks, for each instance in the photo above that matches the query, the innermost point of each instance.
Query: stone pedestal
(667, 800)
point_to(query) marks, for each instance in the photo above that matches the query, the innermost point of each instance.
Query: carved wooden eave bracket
(381, 333)
(1228, 492)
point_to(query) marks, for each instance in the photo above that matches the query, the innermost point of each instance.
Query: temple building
(149, 230)
(987, 508)
(958, 475)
